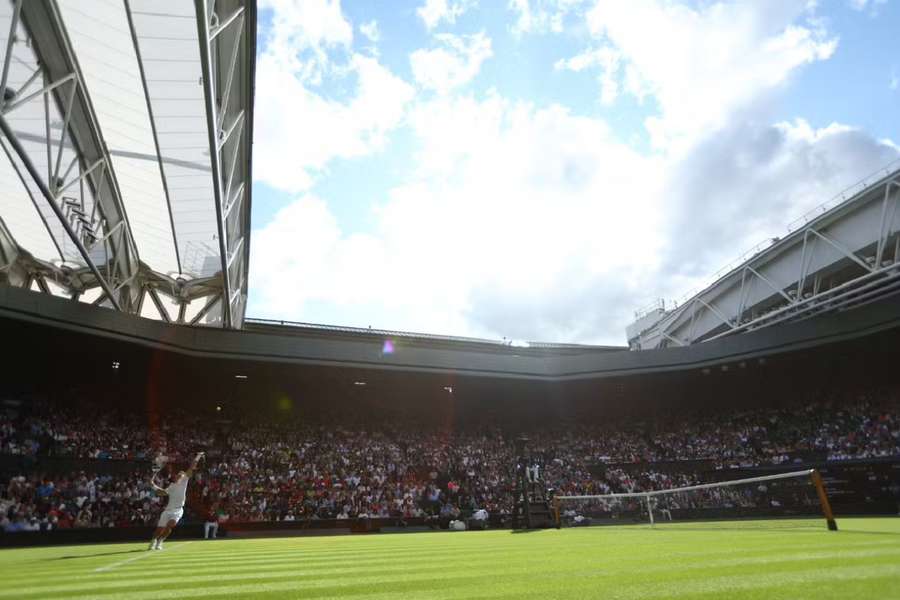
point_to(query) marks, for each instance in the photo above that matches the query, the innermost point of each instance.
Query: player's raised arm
(159, 490)
(193, 467)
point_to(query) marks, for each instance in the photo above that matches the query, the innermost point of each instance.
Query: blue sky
(539, 169)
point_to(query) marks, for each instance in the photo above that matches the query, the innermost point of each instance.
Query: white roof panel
(102, 40)
(170, 53)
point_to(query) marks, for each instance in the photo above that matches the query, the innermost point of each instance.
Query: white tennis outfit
(177, 492)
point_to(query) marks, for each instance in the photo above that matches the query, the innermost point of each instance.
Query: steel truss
(83, 195)
(876, 273)
(223, 31)
(56, 82)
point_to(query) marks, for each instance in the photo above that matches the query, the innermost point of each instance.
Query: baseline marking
(138, 557)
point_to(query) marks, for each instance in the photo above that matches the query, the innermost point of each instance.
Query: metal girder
(11, 270)
(839, 247)
(154, 296)
(747, 284)
(77, 197)
(673, 339)
(210, 303)
(862, 262)
(23, 156)
(716, 312)
(887, 219)
(839, 297)
(57, 71)
(223, 32)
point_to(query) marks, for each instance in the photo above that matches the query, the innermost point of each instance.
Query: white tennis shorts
(170, 515)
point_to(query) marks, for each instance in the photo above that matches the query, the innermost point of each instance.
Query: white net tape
(752, 496)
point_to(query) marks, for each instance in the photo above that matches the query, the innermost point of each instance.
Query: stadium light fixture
(115, 365)
(359, 383)
(448, 389)
(240, 377)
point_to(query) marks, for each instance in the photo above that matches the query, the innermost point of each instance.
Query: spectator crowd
(287, 470)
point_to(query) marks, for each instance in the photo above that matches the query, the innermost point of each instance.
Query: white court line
(138, 557)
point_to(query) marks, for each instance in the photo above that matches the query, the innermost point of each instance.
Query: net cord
(690, 488)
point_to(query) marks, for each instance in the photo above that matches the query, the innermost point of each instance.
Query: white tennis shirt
(177, 492)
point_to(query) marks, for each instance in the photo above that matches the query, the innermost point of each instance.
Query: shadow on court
(775, 528)
(868, 532)
(517, 531)
(99, 554)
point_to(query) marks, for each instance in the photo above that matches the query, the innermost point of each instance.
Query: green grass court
(761, 559)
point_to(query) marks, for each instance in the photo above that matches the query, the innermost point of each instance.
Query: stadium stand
(88, 467)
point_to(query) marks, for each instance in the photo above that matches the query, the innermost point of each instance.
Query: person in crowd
(211, 525)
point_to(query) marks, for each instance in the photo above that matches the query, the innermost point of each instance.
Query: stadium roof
(125, 175)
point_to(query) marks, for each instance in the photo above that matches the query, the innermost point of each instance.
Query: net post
(823, 499)
(556, 518)
(649, 508)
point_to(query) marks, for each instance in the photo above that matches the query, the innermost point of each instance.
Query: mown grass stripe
(189, 561)
(469, 566)
(861, 561)
(140, 556)
(442, 586)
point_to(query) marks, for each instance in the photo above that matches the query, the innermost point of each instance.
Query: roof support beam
(13, 27)
(53, 139)
(55, 63)
(10, 269)
(209, 79)
(219, 53)
(29, 166)
(213, 300)
(716, 312)
(214, 33)
(840, 248)
(887, 218)
(769, 283)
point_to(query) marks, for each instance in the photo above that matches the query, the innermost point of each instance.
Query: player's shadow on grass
(864, 532)
(526, 530)
(99, 554)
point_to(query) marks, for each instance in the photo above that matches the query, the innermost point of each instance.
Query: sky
(538, 170)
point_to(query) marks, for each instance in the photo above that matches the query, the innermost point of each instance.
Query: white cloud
(535, 223)
(370, 30)
(704, 64)
(541, 16)
(861, 5)
(895, 81)
(298, 129)
(435, 11)
(607, 59)
(452, 65)
(306, 26)
(507, 201)
(524, 22)
(769, 174)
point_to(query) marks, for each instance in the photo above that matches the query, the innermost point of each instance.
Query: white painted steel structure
(844, 255)
(126, 137)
